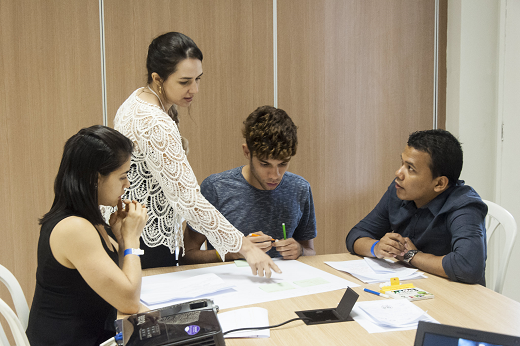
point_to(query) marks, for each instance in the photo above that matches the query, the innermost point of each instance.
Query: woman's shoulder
(74, 227)
(141, 101)
(140, 112)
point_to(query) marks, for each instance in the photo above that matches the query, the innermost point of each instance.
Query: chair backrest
(498, 216)
(17, 329)
(19, 301)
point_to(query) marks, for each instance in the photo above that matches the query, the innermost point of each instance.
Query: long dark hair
(92, 151)
(165, 53)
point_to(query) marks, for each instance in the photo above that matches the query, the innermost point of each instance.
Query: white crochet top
(161, 176)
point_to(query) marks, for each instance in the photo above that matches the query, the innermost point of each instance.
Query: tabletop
(458, 304)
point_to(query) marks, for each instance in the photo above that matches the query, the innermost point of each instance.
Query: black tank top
(65, 310)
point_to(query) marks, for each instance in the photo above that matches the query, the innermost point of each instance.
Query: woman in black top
(79, 284)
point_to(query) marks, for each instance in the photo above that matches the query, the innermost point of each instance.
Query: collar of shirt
(435, 205)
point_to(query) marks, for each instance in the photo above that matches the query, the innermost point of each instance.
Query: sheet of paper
(393, 313)
(371, 326)
(381, 266)
(245, 318)
(246, 287)
(282, 286)
(191, 288)
(361, 270)
(311, 282)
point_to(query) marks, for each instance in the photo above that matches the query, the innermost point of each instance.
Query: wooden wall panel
(51, 87)
(357, 77)
(235, 37)
(443, 41)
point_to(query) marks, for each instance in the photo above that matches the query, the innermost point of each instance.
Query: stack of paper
(388, 315)
(245, 318)
(193, 287)
(297, 279)
(372, 270)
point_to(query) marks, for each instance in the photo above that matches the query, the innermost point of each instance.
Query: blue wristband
(372, 248)
(137, 252)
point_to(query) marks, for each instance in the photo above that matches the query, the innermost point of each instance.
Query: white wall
(483, 89)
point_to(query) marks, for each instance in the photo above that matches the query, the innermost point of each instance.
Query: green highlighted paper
(311, 282)
(282, 286)
(241, 263)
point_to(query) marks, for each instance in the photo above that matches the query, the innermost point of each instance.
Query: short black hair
(444, 149)
(92, 151)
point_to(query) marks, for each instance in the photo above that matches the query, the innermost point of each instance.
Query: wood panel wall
(357, 78)
(235, 37)
(51, 87)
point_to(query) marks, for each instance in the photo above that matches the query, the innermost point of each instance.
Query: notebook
(433, 334)
(413, 293)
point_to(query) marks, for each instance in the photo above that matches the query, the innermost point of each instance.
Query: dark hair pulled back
(92, 151)
(166, 51)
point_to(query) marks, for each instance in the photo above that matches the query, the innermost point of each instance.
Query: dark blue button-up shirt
(452, 224)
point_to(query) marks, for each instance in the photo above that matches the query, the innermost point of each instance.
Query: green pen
(284, 234)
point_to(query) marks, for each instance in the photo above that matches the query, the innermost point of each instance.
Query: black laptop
(434, 334)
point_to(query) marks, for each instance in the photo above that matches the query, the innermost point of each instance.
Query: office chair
(19, 301)
(17, 329)
(498, 216)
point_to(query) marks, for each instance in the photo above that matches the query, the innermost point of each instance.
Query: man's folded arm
(467, 261)
(375, 225)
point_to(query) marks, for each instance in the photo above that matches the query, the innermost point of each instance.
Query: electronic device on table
(434, 334)
(190, 323)
(339, 314)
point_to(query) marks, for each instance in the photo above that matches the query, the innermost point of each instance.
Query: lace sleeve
(159, 141)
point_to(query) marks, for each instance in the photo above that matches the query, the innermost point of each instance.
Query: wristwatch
(409, 255)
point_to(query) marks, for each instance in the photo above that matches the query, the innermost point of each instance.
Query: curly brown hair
(270, 134)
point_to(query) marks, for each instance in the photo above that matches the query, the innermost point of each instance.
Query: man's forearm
(307, 247)
(199, 256)
(307, 251)
(363, 245)
(429, 263)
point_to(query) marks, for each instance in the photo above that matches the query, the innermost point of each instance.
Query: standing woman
(160, 173)
(79, 284)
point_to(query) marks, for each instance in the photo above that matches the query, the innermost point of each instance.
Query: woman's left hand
(116, 220)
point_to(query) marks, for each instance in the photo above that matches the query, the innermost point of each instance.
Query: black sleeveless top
(65, 310)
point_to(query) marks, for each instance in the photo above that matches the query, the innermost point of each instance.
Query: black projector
(186, 324)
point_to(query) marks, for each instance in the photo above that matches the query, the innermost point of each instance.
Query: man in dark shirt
(427, 217)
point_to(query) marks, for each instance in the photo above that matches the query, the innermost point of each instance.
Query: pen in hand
(258, 235)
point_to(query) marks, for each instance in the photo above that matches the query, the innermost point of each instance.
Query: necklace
(153, 92)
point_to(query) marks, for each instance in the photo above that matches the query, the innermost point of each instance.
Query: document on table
(191, 288)
(245, 318)
(297, 279)
(373, 270)
(389, 315)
